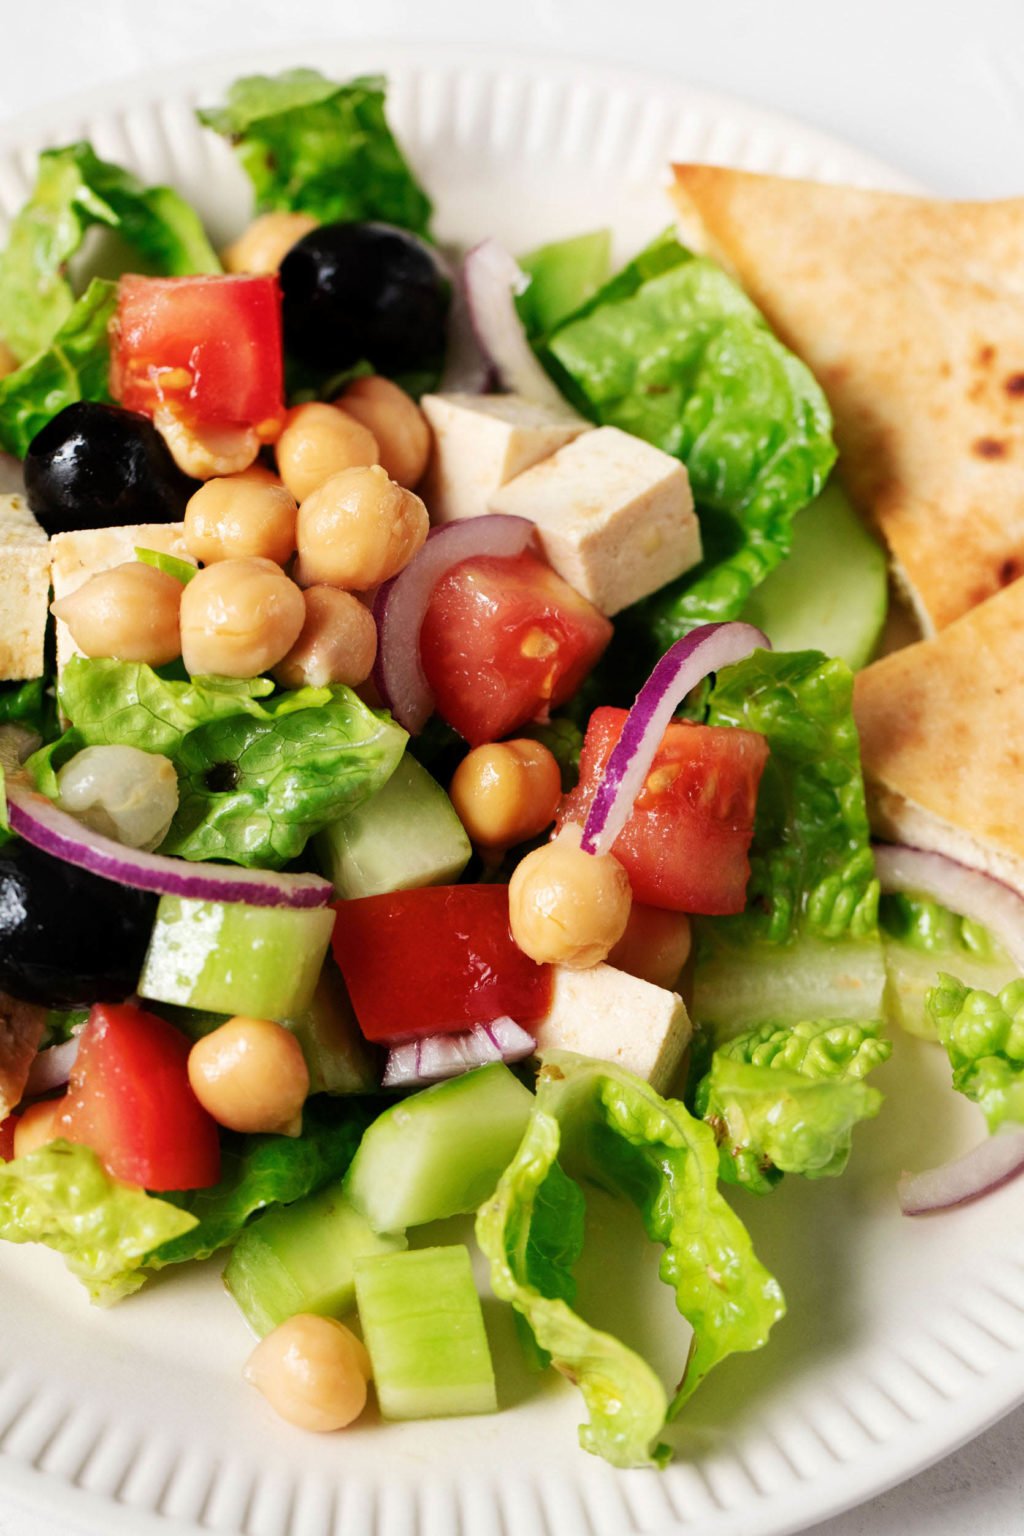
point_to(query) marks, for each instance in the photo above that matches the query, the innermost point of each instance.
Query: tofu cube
(87, 551)
(606, 1013)
(480, 442)
(615, 516)
(24, 590)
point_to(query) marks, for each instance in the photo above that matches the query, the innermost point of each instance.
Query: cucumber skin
(423, 1325)
(408, 835)
(301, 1258)
(225, 957)
(439, 1152)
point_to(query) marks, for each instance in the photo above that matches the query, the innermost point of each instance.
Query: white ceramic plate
(903, 1338)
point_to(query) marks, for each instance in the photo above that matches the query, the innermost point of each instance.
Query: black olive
(67, 937)
(364, 292)
(96, 466)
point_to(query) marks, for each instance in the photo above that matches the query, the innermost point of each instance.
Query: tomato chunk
(435, 961)
(7, 1130)
(685, 845)
(129, 1099)
(504, 641)
(209, 347)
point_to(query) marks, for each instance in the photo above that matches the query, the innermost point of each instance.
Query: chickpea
(205, 451)
(655, 945)
(358, 529)
(38, 1125)
(316, 442)
(264, 245)
(238, 618)
(506, 792)
(337, 643)
(235, 516)
(396, 421)
(568, 907)
(251, 1075)
(313, 1371)
(130, 612)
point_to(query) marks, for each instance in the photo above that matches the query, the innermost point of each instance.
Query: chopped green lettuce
(785, 1098)
(255, 791)
(62, 1196)
(920, 938)
(74, 190)
(74, 364)
(674, 352)
(30, 705)
(563, 275)
(983, 1034)
(258, 1171)
(546, 1243)
(606, 1124)
(313, 145)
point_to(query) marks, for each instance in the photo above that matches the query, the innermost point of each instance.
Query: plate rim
(54, 1496)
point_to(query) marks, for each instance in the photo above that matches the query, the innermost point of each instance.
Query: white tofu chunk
(480, 442)
(87, 551)
(24, 590)
(606, 1013)
(614, 515)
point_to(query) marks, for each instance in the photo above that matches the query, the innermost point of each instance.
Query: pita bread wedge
(942, 740)
(21, 1029)
(909, 311)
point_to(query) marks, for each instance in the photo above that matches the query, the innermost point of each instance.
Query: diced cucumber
(226, 957)
(407, 835)
(301, 1258)
(913, 972)
(439, 1152)
(563, 275)
(735, 988)
(831, 593)
(424, 1328)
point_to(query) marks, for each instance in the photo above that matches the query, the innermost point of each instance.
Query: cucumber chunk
(441, 1151)
(301, 1258)
(407, 835)
(226, 957)
(831, 593)
(424, 1328)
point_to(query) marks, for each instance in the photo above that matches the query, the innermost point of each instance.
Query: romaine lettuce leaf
(785, 1098)
(255, 791)
(983, 1034)
(257, 1171)
(73, 365)
(312, 145)
(611, 1126)
(62, 1196)
(76, 189)
(920, 938)
(674, 352)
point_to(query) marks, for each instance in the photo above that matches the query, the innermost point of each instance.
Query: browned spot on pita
(1010, 569)
(989, 448)
(986, 355)
(1015, 384)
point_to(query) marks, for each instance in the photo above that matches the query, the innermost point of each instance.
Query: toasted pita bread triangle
(911, 314)
(942, 739)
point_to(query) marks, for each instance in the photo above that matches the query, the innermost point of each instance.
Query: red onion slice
(492, 278)
(984, 1168)
(968, 892)
(683, 666)
(45, 826)
(401, 603)
(439, 1056)
(466, 369)
(52, 1068)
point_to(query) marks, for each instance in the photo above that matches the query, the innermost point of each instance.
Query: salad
(431, 780)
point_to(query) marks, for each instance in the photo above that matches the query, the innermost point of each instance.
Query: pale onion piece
(52, 1067)
(992, 1163)
(435, 1057)
(492, 279)
(967, 892)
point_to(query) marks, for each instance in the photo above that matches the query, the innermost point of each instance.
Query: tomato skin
(435, 961)
(685, 844)
(129, 1099)
(209, 347)
(7, 1130)
(504, 641)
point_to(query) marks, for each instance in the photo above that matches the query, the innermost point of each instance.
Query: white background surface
(936, 87)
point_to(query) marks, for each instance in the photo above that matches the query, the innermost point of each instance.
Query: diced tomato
(129, 1099)
(435, 961)
(504, 641)
(7, 1130)
(685, 845)
(209, 347)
